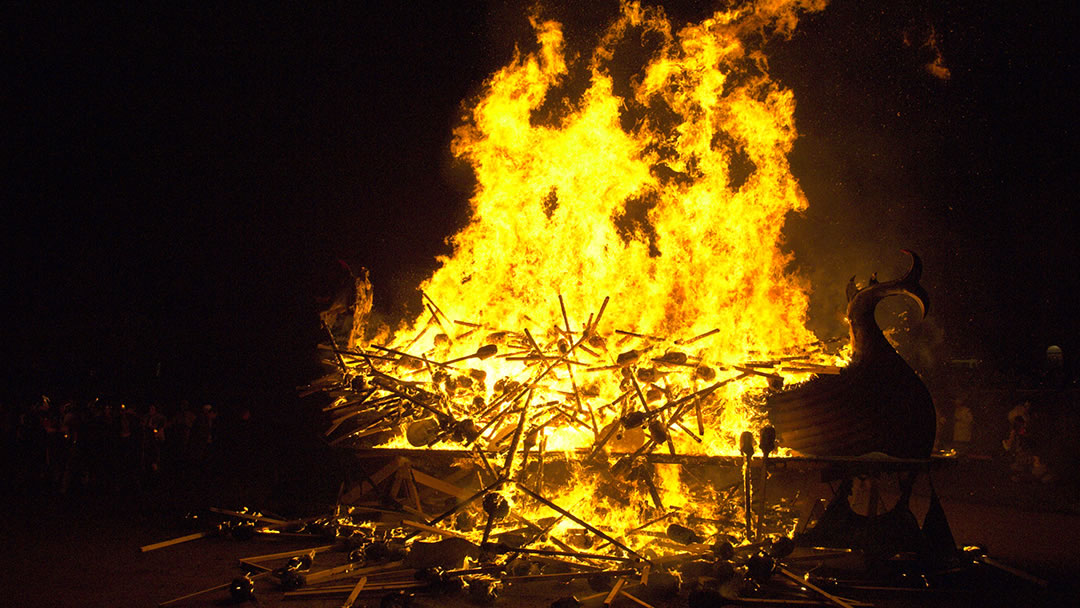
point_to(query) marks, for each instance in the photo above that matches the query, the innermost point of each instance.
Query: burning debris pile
(615, 310)
(582, 397)
(359, 559)
(545, 463)
(570, 390)
(620, 290)
(498, 536)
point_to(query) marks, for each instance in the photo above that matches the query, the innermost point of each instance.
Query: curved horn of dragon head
(860, 310)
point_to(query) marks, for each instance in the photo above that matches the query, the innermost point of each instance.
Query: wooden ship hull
(876, 404)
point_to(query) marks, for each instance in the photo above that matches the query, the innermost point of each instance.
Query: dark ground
(83, 549)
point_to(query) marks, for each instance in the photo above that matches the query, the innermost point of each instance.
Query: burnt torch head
(746, 443)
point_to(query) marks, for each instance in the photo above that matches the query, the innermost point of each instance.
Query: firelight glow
(625, 245)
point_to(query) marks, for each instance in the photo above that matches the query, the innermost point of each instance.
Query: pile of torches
(382, 393)
(383, 563)
(376, 554)
(384, 547)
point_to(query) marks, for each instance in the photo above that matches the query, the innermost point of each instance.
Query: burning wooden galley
(621, 287)
(617, 314)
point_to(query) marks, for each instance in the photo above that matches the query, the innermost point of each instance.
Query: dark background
(182, 180)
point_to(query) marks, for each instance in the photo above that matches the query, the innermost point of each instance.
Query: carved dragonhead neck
(866, 336)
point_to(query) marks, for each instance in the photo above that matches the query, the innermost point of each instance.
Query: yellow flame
(650, 215)
(663, 186)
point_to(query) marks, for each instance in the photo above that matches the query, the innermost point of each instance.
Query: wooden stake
(614, 591)
(570, 371)
(837, 601)
(634, 599)
(432, 529)
(637, 335)
(214, 588)
(439, 323)
(258, 518)
(581, 522)
(637, 389)
(596, 322)
(575, 554)
(653, 521)
(423, 331)
(542, 531)
(540, 462)
(191, 595)
(407, 355)
(590, 351)
(173, 541)
(697, 411)
(435, 306)
(750, 370)
(338, 590)
(506, 472)
(355, 593)
(285, 554)
(378, 427)
(337, 355)
(562, 576)
(696, 338)
(350, 570)
(532, 342)
(498, 482)
(484, 461)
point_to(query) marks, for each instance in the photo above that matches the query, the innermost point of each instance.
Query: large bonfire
(621, 288)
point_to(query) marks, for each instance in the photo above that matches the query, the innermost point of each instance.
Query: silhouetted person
(202, 435)
(153, 438)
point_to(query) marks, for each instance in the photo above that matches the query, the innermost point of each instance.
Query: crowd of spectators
(66, 446)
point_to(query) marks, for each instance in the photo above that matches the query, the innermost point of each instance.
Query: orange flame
(654, 215)
(663, 187)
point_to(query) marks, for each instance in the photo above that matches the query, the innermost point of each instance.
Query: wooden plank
(410, 488)
(437, 484)
(461, 473)
(382, 474)
(432, 529)
(395, 488)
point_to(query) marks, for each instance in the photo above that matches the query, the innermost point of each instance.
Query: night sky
(181, 181)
